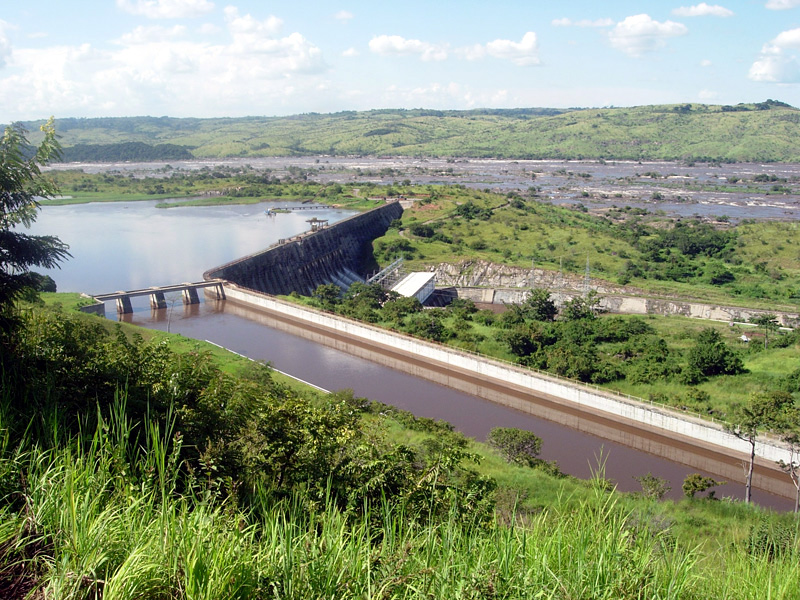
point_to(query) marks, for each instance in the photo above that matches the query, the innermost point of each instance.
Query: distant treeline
(135, 151)
(755, 132)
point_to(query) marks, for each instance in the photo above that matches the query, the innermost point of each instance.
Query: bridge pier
(190, 296)
(217, 291)
(124, 305)
(157, 300)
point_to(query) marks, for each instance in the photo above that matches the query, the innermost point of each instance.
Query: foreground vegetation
(129, 471)
(760, 132)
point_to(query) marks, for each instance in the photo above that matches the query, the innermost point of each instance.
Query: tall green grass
(112, 514)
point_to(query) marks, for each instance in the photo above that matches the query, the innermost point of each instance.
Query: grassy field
(755, 133)
(760, 258)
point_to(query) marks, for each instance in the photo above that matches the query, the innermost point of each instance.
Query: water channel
(135, 245)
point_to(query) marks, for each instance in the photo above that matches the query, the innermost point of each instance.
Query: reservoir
(135, 245)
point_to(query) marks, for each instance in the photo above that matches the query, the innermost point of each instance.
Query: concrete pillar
(124, 305)
(157, 300)
(190, 296)
(218, 291)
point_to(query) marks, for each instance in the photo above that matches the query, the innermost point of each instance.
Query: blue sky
(203, 58)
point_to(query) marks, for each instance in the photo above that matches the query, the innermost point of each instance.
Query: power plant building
(418, 285)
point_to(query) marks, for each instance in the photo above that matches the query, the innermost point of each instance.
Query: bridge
(158, 295)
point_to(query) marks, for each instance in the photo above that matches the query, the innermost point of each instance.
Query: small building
(418, 285)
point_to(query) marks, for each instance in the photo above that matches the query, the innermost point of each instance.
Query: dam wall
(334, 254)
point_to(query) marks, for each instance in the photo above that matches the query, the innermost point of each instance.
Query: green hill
(763, 132)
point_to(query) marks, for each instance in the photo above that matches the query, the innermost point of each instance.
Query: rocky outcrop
(335, 254)
(490, 283)
(480, 273)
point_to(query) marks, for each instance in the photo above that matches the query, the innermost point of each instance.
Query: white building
(418, 285)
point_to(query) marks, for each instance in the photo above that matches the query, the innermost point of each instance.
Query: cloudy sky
(209, 58)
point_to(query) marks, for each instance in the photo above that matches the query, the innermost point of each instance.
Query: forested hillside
(763, 132)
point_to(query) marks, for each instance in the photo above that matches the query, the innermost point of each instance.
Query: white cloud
(703, 10)
(474, 52)
(350, 53)
(773, 64)
(705, 63)
(436, 95)
(158, 70)
(208, 29)
(344, 16)
(565, 22)
(247, 29)
(788, 39)
(146, 35)
(166, 9)
(5, 44)
(782, 4)
(639, 34)
(387, 45)
(523, 53)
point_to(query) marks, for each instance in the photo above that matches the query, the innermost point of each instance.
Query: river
(135, 245)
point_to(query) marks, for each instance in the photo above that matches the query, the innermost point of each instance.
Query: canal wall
(587, 398)
(335, 254)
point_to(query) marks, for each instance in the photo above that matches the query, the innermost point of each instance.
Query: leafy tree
(21, 183)
(581, 307)
(463, 307)
(539, 306)
(421, 230)
(653, 487)
(398, 307)
(516, 445)
(769, 323)
(711, 356)
(765, 410)
(519, 341)
(574, 362)
(43, 283)
(328, 295)
(792, 438)
(428, 324)
(696, 484)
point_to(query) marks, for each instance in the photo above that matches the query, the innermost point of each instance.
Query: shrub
(516, 445)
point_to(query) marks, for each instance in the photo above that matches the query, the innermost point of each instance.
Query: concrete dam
(337, 254)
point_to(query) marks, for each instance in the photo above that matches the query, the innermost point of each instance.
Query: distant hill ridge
(762, 132)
